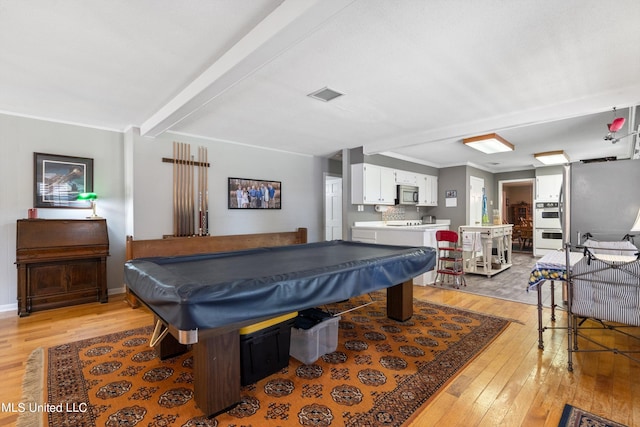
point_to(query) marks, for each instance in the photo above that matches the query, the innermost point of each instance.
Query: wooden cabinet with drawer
(60, 263)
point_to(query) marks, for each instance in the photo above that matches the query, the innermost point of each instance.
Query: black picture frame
(58, 180)
(246, 200)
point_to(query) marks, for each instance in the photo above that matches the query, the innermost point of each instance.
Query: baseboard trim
(14, 307)
(9, 307)
(116, 291)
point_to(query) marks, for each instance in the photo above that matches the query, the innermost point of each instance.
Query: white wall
(301, 178)
(19, 139)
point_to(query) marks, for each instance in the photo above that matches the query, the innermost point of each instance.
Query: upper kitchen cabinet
(427, 190)
(406, 178)
(548, 187)
(372, 185)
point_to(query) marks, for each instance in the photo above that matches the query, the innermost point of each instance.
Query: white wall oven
(547, 215)
(547, 235)
(546, 240)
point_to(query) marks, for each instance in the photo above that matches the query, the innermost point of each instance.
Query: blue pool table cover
(212, 290)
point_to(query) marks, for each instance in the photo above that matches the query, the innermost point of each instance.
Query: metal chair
(450, 259)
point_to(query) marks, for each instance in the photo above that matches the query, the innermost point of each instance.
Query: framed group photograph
(59, 179)
(245, 193)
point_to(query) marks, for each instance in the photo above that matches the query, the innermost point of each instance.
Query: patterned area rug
(380, 374)
(574, 417)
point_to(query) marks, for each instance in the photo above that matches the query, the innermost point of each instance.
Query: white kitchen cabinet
(364, 236)
(406, 178)
(427, 190)
(372, 185)
(405, 236)
(548, 187)
(432, 184)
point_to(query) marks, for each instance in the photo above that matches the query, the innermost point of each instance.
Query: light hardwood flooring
(511, 383)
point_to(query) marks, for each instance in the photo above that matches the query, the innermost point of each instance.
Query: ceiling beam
(287, 25)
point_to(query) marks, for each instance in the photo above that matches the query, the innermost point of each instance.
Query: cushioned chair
(450, 260)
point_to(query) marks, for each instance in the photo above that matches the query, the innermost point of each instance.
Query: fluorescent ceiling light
(552, 157)
(491, 143)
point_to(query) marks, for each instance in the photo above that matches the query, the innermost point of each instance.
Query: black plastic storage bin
(264, 348)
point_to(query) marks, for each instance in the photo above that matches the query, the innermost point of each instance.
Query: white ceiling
(418, 75)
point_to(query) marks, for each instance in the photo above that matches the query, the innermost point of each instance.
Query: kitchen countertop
(377, 225)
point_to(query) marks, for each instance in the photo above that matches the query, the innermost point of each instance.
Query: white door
(475, 200)
(333, 208)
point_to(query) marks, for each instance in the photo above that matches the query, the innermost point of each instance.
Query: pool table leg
(400, 301)
(216, 372)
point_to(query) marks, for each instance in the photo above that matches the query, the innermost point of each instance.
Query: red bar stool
(450, 259)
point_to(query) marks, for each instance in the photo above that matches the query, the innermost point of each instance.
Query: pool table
(202, 300)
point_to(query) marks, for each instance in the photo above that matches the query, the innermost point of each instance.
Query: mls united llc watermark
(21, 407)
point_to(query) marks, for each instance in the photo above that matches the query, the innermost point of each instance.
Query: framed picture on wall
(58, 180)
(245, 193)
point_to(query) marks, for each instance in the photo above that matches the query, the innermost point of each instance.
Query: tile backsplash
(394, 213)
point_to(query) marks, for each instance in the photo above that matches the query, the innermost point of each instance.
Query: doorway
(516, 207)
(332, 207)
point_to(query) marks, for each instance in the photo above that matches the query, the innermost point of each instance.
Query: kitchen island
(399, 233)
(478, 242)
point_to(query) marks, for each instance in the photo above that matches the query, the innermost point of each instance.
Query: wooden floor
(512, 383)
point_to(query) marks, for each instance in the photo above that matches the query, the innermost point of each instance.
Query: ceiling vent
(325, 94)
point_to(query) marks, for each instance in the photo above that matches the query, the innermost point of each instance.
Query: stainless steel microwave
(407, 195)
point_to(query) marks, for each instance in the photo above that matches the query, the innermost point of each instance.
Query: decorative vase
(485, 212)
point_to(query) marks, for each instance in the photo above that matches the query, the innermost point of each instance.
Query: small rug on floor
(510, 284)
(382, 372)
(575, 417)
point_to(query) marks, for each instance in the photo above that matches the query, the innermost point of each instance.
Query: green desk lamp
(92, 198)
